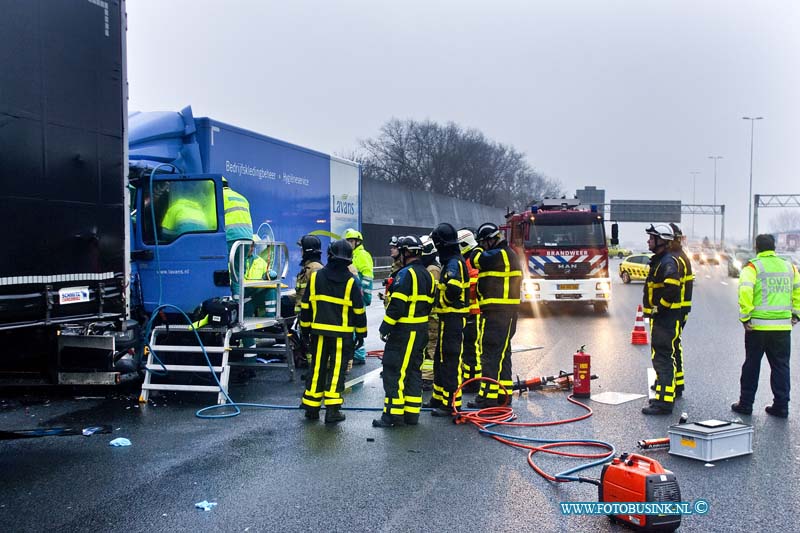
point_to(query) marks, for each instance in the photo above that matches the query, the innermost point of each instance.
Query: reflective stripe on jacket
(412, 297)
(687, 280)
(238, 224)
(499, 277)
(452, 294)
(332, 308)
(769, 293)
(362, 261)
(662, 289)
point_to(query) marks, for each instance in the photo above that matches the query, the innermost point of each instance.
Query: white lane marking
(724, 282)
(361, 379)
(651, 379)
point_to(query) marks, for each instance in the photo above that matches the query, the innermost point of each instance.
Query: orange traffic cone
(639, 335)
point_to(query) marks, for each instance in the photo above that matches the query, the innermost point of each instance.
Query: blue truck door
(185, 261)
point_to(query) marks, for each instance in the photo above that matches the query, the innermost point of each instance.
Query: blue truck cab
(292, 191)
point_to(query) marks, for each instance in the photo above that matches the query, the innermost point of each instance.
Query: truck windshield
(558, 236)
(181, 206)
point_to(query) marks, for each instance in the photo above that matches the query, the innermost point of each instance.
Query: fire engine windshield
(589, 234)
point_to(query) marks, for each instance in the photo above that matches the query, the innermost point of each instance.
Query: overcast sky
(627, 95)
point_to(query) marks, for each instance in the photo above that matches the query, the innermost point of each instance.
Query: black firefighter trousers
(665, 329)
(447, 361)
(402, 377)
(498, 329)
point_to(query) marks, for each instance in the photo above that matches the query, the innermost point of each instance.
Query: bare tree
(786, 220)
(448, 159)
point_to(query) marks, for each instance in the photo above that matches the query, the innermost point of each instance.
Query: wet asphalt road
(270, 470)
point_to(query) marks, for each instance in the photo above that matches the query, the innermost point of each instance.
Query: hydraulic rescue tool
(636, 478)
(563, 381)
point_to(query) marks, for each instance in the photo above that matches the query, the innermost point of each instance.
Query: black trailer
(63, 175)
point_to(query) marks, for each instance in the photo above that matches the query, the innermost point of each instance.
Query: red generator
(636, 478)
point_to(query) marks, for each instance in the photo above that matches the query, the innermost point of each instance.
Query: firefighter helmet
(676, 229)
(310, 243)
(662, 231)
(428, 248)
(466, 240)
(410, 243)
(444, 235)
(351, 233)
(341, 250)
(488, 231)
(393, 241)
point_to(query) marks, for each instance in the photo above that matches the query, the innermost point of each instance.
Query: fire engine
(565, 251)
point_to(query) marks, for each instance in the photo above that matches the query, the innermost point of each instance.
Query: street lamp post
(694, 174)
(750, 195)
(715, 158)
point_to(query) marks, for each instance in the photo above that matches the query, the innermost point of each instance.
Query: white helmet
(466, 240)
(428, 248)
(662, 231)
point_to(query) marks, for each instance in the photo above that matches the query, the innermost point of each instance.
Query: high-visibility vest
(238, 224)
(769, 293)
(362, 261)
(183, 216)
(257, 269)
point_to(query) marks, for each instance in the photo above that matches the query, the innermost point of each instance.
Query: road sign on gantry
(645, 211)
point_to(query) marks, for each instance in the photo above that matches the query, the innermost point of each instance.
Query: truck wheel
(626, 278)
(601, 308)
(619, 255)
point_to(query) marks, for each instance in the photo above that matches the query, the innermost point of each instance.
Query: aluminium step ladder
(183, 356)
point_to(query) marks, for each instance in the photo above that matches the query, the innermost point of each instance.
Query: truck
(565, 253)
(292, 191)
(87, 260)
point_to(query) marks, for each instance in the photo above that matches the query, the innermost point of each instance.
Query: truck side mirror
(614, 234)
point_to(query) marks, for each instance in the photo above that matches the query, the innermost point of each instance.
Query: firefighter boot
(657, 408)
(312, 413)
(388, 421)
(333, 415)
(411, 419)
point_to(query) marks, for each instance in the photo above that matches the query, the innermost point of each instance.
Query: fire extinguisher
(582, 374)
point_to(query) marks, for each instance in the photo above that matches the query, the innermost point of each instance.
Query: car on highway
(616, 251)
(635, 267)
(737, 260)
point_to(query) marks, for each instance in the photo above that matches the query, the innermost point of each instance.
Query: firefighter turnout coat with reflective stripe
(499, 278)
(412, 298)
(662, 290)
(687, 281)
(453, 288)
(333, 308)
(769, 293)
(302, 279)
(406, 323)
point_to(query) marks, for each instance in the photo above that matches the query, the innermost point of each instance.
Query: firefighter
(431, 265)
(769, 306)
(471, 359)
(332, 315)
(662, 303)
(397, 264)
(687, 288)
(362, 261)
(405, 331)
(499, 281)
(451, 306)
(312, 255)
(238, 227)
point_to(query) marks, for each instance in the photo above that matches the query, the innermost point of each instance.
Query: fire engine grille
(567, 270)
